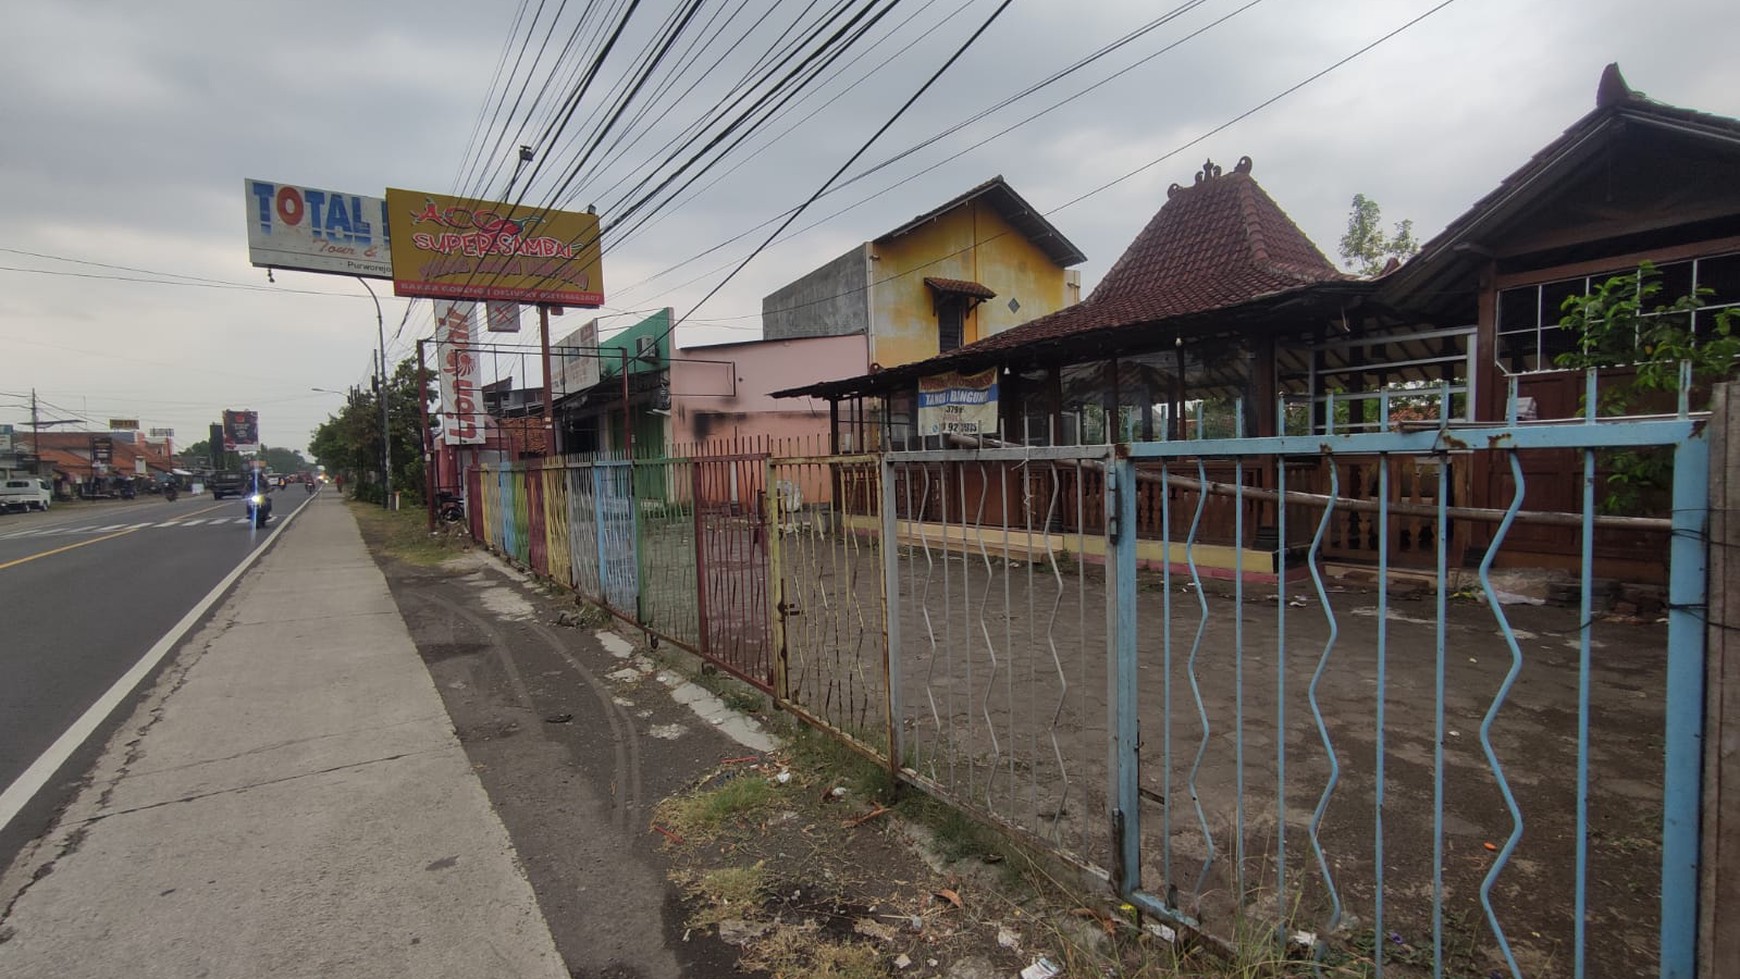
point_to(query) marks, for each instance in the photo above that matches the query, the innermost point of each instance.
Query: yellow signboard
(456, 248)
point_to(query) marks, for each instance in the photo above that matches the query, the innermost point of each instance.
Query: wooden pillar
(1719, 883)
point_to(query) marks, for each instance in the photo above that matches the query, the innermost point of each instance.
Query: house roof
(1619, 111)
(71, 451)
(1220, 245)
(1013, 208)
(959, 287)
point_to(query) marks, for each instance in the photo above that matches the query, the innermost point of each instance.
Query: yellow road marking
(62, 550)
(99, 540)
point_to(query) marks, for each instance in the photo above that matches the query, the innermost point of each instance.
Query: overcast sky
(126, 130)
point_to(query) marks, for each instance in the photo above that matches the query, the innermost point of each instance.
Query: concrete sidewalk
(290, 800)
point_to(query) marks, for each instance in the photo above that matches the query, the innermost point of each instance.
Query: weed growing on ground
(704, 815)
(404, 535)
(793, 951)
(726, 893)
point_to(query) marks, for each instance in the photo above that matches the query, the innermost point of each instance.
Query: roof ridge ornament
(1209, 171)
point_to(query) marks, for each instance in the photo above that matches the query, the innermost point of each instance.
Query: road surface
(85, 592)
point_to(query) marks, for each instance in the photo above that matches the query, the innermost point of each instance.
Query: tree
(1620, 323)
(1365, 248)
(350, 441)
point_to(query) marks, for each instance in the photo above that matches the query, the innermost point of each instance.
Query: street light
(386, 432)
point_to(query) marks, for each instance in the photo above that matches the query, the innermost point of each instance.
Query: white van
(25, 493)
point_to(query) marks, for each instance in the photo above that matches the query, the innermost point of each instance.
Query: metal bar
(1383, 626)
(1166, 682)
(1438, 729)
(703, 625)
(1585, 621)
(1281, 703)
(896, 704)
(1195, 684)
(1682, 780)
(1608, 433)
(1315, 825)
(1378, 341)
(1498, 699)
(1122, 674)
(1239, 677)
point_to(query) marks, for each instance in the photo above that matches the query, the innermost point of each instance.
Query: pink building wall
(722, 391)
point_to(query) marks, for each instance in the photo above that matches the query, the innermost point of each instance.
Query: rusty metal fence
(1135, 656)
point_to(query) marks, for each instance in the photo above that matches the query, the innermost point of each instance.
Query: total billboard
(458, 248)
(313, 230)
(461, 398)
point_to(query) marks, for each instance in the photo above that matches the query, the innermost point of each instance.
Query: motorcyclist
(259, 498)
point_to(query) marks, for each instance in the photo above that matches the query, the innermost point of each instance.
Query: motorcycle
(169, 492)
(308, 485)
(449, 507)
(259, 503)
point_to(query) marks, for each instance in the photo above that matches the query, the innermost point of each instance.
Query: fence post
(891, 606)
(771, 528)
(1718, 947)
(696, 489)
(1122, 798)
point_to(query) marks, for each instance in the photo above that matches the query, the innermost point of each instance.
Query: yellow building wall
(970, 242)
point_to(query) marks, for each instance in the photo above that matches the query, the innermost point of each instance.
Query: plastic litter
(1042, 968)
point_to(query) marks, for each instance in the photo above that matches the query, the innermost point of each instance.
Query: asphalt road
(85, 591)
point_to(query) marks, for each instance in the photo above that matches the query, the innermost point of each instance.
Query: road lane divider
(69, 547)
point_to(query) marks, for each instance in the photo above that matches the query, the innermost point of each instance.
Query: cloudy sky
(126, 130)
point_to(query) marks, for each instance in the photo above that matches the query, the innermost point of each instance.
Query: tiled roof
(1216, 244)
(960, 287)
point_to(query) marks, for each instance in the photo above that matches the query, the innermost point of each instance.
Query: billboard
(457, 248)
(123, 424)
(503, 317)
(241, 430)
(5, 439)
(461, 398)
(573, 369)
(313, 230)
(958, 404)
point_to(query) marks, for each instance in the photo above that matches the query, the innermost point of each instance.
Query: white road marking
(25, 787)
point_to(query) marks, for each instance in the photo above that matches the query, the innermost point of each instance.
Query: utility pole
(386, 429)
(35, 432)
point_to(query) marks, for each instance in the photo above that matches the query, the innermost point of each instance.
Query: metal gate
(1430, 772)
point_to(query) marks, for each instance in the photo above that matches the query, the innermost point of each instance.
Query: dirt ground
(583, 751)
(1003, 691)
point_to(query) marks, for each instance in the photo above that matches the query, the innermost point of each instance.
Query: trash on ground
(1042, 968)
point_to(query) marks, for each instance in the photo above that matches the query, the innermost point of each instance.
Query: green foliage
(1365, 247)
(349, 442)
(1622, 323)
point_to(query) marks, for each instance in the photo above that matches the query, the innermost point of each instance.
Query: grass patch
(794, 951)
(830, 760)
(727, 893)
(703, 815)
(404, 535)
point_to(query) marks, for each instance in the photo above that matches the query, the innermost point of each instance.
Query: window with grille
(1529, 335)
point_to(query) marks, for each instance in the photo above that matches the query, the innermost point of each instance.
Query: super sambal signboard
(455, 248)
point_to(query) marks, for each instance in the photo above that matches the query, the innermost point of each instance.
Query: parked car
(25, 493)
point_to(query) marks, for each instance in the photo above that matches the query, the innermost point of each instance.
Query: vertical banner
(958, 404)
(503, 317)
(461, 421)
(241, 431)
